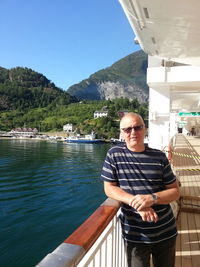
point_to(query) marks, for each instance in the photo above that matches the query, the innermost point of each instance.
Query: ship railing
(95, 243)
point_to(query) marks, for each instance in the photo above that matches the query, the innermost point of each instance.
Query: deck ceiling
(167, 29)
(185, 97)
(170, 30)
(185, 101)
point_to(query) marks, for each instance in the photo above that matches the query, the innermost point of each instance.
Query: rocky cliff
(126, 78)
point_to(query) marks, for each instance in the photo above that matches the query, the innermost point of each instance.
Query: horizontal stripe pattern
(141, 173)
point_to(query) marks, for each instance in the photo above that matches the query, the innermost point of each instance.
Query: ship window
(146, 13)
(153, 40)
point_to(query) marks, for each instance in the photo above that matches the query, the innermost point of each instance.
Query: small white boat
(89, 139)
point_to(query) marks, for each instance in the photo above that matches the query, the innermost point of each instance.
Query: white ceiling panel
(168, 29)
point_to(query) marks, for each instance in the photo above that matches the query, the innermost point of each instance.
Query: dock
(186, 164)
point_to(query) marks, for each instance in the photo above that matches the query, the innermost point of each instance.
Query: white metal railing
(96, 243)
(108, 250)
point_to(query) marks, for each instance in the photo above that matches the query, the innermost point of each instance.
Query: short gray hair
(131, 115)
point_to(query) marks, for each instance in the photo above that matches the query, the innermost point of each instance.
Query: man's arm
(171, 193)
(112, 190)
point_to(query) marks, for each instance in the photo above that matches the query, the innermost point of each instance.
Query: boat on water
(88, 139)
(84, 140)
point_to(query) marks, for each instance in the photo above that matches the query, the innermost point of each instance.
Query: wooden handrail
(187, 197)
(73, 249)
(88, 232)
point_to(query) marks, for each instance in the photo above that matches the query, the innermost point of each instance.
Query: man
(141, 178)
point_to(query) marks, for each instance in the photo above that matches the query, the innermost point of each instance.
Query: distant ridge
(29, 99)
(126, 78)
(22, 88)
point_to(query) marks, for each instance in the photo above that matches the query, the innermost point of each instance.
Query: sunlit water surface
(46, 191)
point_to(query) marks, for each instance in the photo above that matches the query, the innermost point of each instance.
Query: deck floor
(186, 164)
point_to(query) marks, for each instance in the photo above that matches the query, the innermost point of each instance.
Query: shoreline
(47, 136)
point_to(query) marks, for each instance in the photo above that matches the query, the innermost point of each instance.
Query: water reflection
(46, 191)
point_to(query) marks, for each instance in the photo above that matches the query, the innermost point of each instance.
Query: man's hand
(148, 215)
(141, 202)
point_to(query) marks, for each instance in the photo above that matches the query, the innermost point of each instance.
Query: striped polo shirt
(144, 172)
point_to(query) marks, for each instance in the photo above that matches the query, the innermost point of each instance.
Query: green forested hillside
(53, 117)
(29, 99)
(22, 88)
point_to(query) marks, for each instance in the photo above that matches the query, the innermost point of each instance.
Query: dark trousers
(163, 254)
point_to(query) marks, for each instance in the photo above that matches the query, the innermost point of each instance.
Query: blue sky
(65, 40)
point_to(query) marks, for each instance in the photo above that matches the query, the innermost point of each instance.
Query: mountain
(126, 78)
(22, 88)
(29, 98)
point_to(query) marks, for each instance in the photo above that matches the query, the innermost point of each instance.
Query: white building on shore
(100, 113)
(68, 128)
(24, 132)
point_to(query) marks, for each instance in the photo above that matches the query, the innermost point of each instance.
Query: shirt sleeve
(108, 173)
(168, 174)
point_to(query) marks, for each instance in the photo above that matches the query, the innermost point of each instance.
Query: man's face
(133, 132)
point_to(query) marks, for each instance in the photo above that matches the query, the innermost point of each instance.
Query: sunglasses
(135, 128)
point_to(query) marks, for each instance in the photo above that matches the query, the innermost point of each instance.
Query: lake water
(46, 191)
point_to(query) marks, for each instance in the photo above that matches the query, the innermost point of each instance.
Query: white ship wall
(164, 79)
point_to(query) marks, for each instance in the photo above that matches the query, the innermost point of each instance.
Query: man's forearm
(168, 195)
(139, 202)
(115, 192)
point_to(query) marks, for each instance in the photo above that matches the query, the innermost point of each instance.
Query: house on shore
(101, 113)
(24, 132)
(68, 128)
